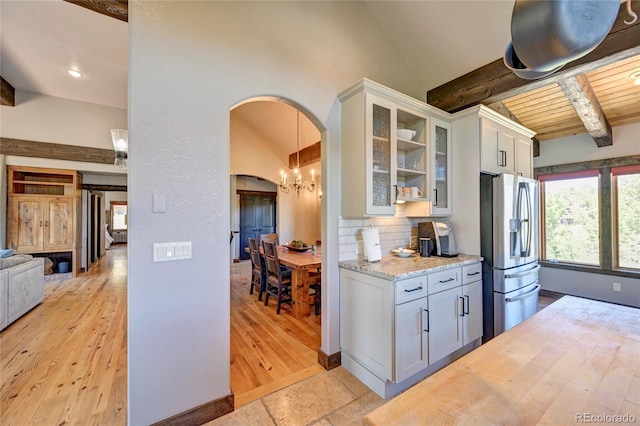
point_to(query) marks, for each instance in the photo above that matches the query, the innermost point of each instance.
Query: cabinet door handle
(461, 314)
(41, 224)
(466, 311)
(472, 273)
(46, 223)
(435, 202)
(413, 289)
(396, 191)
(447, 281)
(426, 311)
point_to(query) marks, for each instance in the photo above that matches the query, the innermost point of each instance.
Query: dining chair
(315, 279)
(272, 238)
(278, 283)
(258, 269)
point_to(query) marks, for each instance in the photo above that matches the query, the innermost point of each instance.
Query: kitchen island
(575, 361)
(402, 319)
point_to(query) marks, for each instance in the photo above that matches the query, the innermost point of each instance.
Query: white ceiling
(40, 40)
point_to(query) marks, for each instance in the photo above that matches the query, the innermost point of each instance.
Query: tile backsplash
(394, 232)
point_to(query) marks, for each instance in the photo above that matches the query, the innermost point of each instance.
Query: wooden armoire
(44, 213)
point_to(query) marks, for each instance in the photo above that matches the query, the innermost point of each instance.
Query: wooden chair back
(271, 260)
(271, 238)
(254, 251)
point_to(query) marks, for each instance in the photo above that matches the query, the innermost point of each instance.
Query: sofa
(21, 286)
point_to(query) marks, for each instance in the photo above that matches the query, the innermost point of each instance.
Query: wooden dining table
(300, 263)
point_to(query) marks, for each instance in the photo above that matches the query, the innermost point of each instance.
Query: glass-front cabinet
(380, 156)
(385, 138)
(440, 167)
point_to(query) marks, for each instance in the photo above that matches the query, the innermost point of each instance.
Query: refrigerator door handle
(527, 245)
(533, 292)
(523, 273)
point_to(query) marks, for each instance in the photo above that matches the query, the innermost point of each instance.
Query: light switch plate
(165, 252)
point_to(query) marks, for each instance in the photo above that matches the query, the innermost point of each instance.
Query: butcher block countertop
(394, 267)
(576, 361)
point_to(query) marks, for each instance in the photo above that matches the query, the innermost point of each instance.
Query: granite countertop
(394, 267)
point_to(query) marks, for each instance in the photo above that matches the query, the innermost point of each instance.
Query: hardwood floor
(268, 351)
(65, 362)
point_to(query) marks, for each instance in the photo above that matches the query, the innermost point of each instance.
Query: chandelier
(298, 184)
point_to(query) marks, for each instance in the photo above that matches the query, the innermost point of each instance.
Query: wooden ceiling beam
(54, 151)
(581, 95)
(7, 93)
(308, 155)
(495, 82)
(118, 9)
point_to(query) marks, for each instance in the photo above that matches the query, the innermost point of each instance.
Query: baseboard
(329, 362)
(201, 414)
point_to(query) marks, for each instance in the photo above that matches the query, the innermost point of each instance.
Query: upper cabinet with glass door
(384, 150)
(440, 168)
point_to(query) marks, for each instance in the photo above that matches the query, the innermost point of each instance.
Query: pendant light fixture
(298, 184)
(120, 139)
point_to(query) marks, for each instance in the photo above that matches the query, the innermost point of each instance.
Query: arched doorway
(270, 351)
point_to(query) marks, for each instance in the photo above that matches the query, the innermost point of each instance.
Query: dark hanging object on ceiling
(547, 34)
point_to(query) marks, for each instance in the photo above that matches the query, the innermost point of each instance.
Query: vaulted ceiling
(588, 95)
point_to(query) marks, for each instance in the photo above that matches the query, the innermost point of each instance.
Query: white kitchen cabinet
(472, 312)
(524, 156)
(445, 325)
(505, 147)
(411, 338)
(472, 303)
(366, 321)
(396, 329)
(497, 148)
(376, 163)
(440, 168)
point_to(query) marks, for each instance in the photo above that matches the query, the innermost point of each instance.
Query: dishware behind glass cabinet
(415, 192)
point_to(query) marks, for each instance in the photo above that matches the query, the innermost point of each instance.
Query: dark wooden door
(257, 216)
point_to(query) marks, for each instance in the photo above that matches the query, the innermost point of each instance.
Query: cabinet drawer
(471, 273)
(444, 280)
(411, 289)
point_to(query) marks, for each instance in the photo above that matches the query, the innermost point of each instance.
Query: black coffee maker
(444, 244)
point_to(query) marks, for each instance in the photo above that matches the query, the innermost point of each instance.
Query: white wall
(579, 148)
(49, 119)
(576, 149)
(190, 63)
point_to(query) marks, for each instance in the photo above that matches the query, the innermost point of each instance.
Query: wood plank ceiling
(588, 95)
(549, 112)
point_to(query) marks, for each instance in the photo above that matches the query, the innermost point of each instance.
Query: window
(118, 215)
(626, 202)
(571, 217)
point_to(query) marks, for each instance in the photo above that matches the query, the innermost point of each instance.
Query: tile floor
(332, 397)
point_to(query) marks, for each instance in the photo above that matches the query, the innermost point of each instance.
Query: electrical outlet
(616, 287)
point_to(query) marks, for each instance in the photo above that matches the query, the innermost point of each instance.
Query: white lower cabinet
(396, 329)
(411, 338)
(445, 325)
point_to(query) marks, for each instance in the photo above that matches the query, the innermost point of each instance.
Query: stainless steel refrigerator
(509, 245)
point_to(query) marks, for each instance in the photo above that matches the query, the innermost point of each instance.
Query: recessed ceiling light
(74, 73)
(636, 78)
